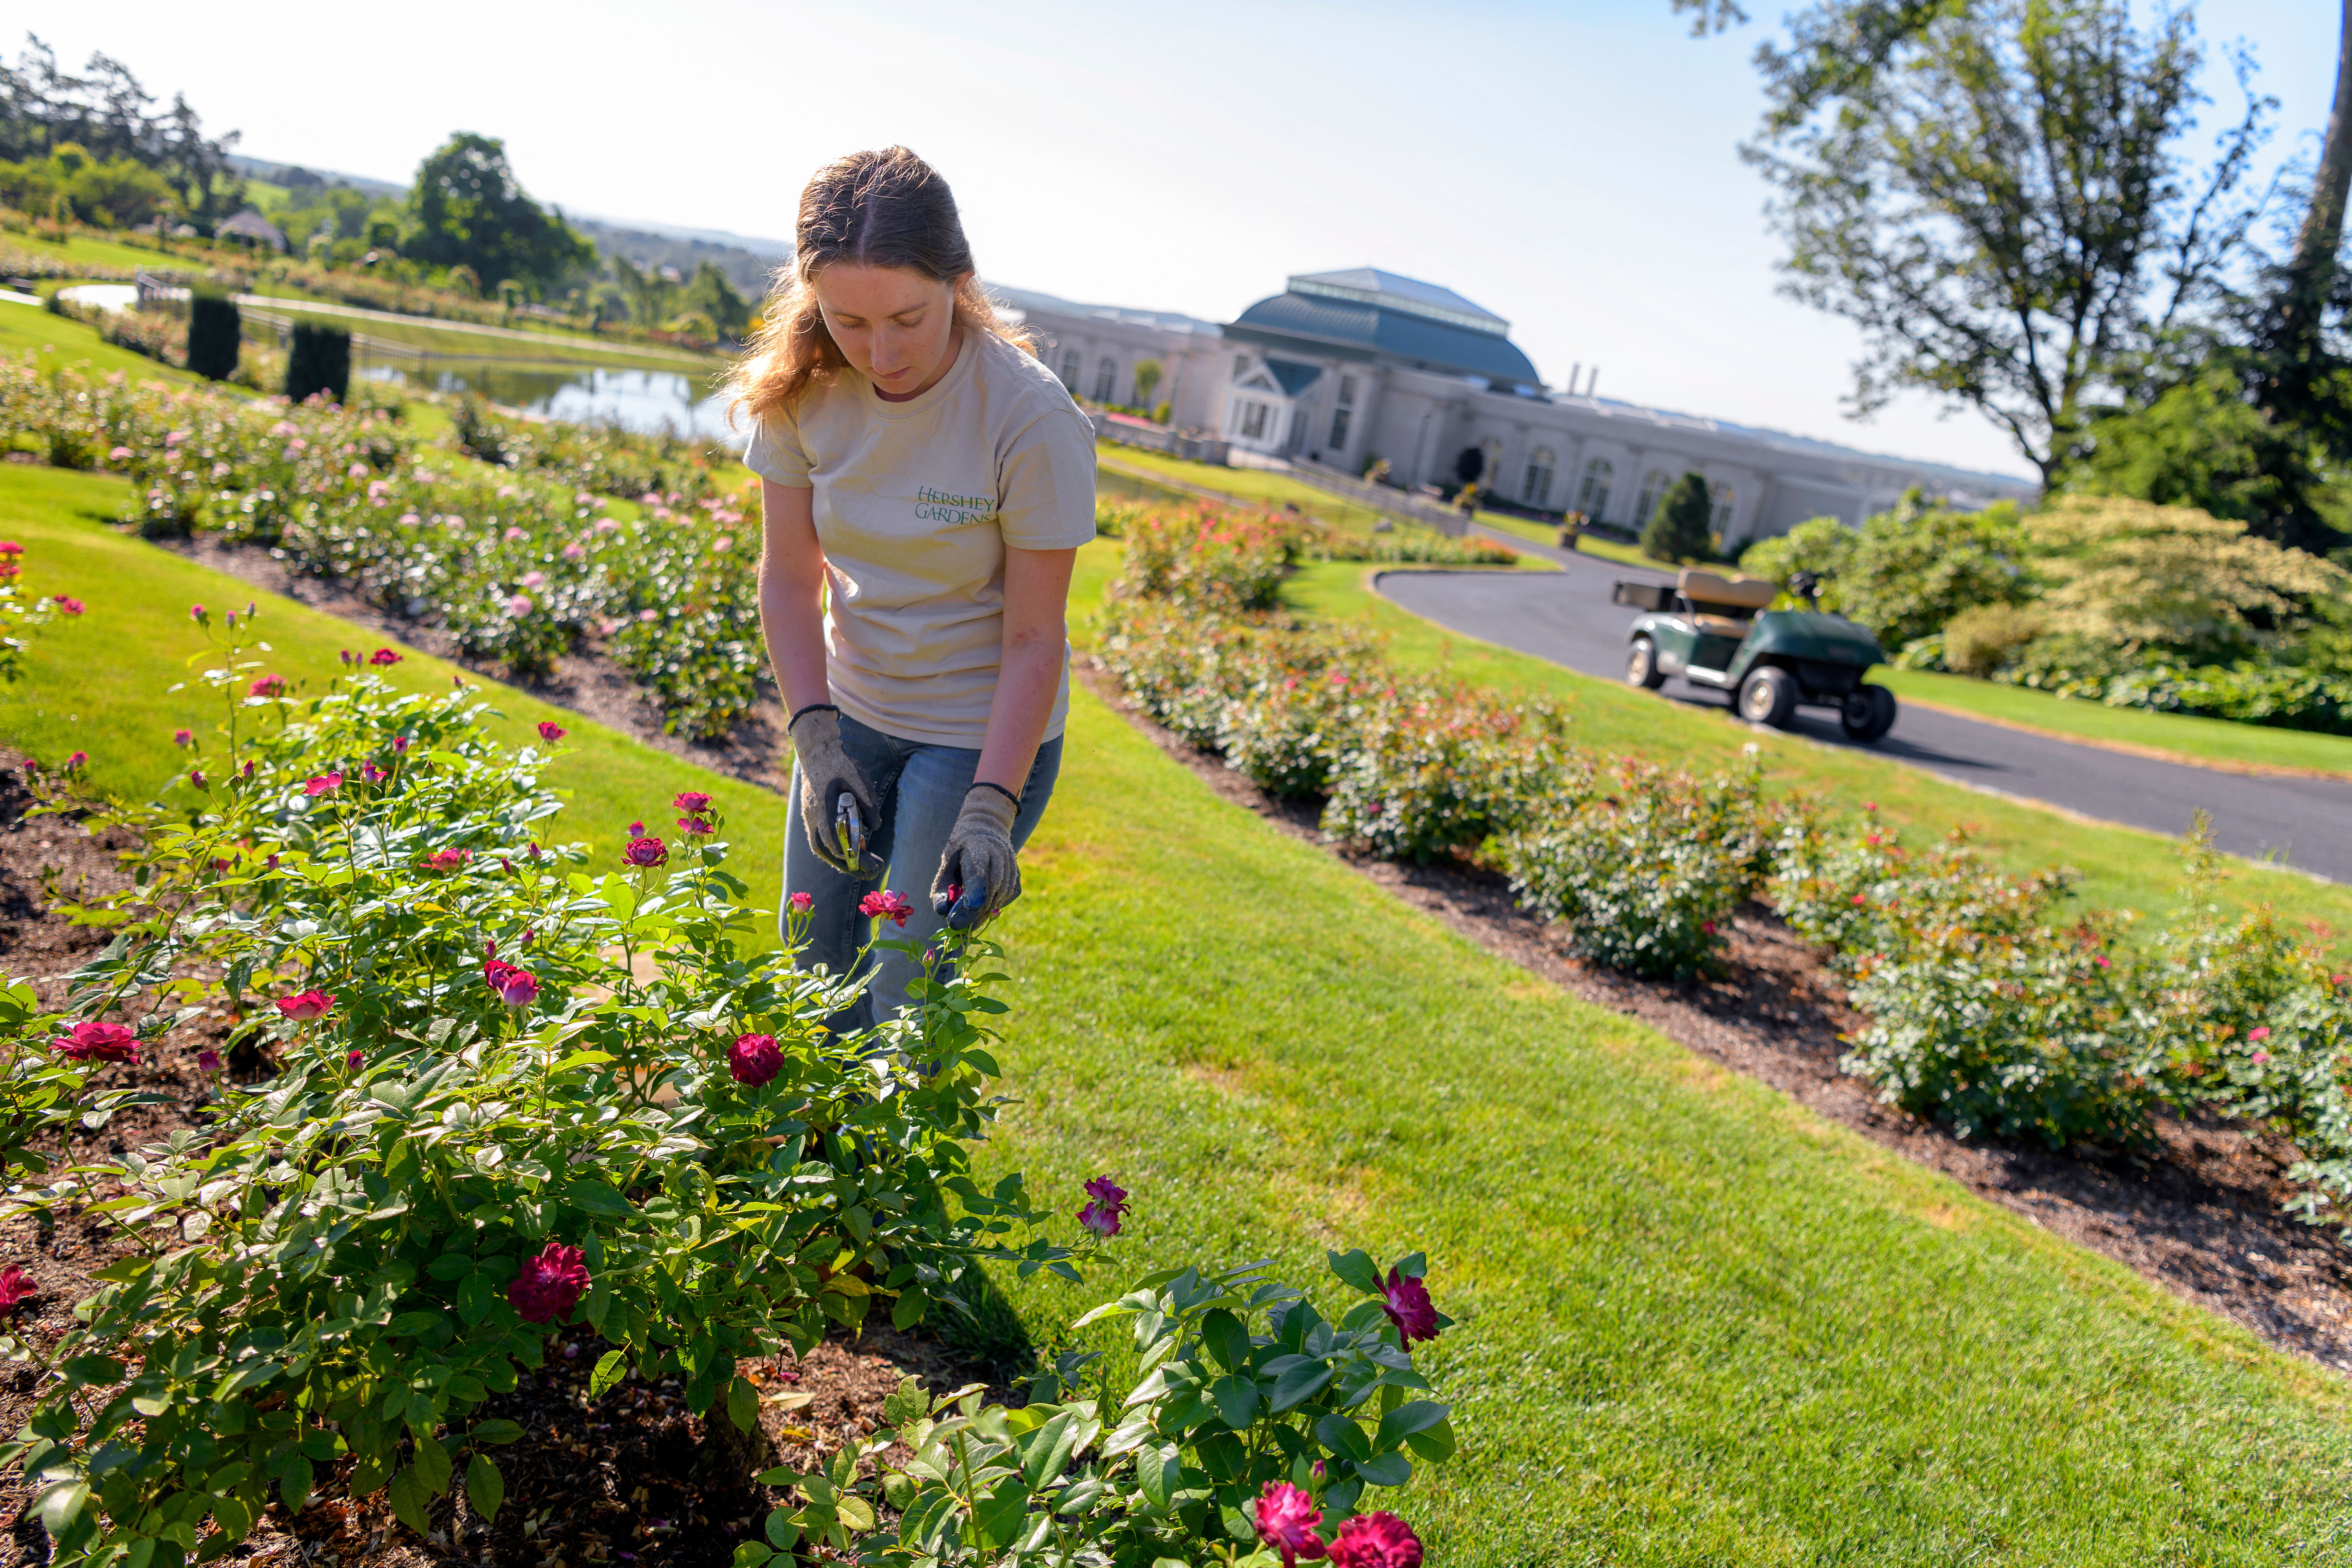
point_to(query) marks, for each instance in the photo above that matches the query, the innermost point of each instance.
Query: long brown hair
(880, 209)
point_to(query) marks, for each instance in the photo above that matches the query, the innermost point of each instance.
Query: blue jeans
(920, 788)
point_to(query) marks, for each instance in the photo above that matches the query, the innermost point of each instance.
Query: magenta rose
(1286, 1519)
(550, 1285)
(1406, 1301)
(753, 1060)
(99, 1042)
(303, 1007)
(1376, 1540)
(645, 853)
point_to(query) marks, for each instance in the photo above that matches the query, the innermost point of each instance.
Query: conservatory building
(1342, 368)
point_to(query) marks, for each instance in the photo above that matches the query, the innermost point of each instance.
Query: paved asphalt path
(1567, 617)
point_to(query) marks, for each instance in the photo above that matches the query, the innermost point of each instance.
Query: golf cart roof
(1701, 587)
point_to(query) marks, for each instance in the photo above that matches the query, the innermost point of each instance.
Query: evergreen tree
(213, 326)
(1677, 530)
(319, 360)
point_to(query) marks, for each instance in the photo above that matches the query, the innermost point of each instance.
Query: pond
(625, 396)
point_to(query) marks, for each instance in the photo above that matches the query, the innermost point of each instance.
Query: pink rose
(1375, 1540)
(99, 1042)
(551, 731)
(305, 1005)
(885, 905)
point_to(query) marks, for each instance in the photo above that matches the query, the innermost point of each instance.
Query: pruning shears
(849, 830)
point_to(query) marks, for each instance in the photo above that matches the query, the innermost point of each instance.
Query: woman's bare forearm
(1027, 682)
(1029, 672)
(792, 596)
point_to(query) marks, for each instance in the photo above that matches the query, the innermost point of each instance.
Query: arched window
(1106, 378)
(1536, 489)
(1724, 499)
(1070, 370)
(1653, 491)
(1593, 491)
(1491, 475)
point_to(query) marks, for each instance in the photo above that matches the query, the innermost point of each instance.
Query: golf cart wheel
(1642, 665)
(1867, 713)
(1769, 697)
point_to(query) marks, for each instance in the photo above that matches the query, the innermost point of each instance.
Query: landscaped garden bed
(1986, 1004)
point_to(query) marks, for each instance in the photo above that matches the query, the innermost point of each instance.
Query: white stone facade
(1287, 381)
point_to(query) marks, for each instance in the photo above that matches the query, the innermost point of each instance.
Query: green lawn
(99, 684)
(82, 251)
(2179, 735)
(1696, 1325)
(2122, 867)
(59, 342)
(523, 342)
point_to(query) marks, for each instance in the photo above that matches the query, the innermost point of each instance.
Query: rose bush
(496, 1097)
(1255, 1425)
(1643, 866)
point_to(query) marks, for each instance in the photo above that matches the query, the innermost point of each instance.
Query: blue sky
(1570, 166)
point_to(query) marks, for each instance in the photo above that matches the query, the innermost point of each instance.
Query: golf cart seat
(1723, 606)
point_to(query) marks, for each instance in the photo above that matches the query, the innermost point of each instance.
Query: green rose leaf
(485, 1488)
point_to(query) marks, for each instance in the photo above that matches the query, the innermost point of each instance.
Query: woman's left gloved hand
(979, 874)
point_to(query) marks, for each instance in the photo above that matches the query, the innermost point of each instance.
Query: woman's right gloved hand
(827, 775)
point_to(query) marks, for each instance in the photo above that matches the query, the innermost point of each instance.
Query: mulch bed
(2202, 1219)
(614, 1480)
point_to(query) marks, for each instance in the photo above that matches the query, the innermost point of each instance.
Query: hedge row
(1990, 1007)
(518, 569)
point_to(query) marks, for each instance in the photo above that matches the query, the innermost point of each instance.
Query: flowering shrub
(1428, 766)
(600, 459)
(1644, 867)
(1983, 1012)
(508, 1093)
(1256, 1421)
(517, 568)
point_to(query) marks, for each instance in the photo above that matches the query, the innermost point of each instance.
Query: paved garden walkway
(1566, 617)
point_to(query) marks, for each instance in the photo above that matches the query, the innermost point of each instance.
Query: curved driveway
(1566, 617)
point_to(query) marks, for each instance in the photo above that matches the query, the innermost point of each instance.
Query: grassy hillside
(1696, 1325)
(99, 684)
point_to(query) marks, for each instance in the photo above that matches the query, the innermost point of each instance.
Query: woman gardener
(926, 484)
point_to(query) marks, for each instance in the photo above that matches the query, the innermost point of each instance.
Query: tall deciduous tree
(467, 209)
(1992, 191)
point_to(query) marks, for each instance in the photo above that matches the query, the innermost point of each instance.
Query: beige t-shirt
(915, 503)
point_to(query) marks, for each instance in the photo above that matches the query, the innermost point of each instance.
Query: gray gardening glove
(827, 775)
(977, 875)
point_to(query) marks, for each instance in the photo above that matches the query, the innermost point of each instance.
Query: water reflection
(646, 400)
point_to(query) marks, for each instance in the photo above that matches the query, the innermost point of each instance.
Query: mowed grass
(99, 683)
(1696, 1324)
(522, 342)
(59, 342)
(2122, 867)
(2183, 735)
(82, 251)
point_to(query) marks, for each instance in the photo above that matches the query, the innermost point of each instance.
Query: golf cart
(1715, 632)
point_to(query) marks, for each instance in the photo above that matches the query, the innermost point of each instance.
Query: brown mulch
(584, 680)
(2202, 1220)
(615, 1480)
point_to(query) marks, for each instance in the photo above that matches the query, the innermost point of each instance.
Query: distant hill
(746, 259)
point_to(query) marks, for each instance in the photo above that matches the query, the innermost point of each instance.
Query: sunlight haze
(1573, 169)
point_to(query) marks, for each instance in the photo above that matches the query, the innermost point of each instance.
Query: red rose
(548, 1285)
(753, 1060)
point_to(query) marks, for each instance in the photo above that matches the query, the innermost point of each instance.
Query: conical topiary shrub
(214, 327)
(319, 360)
